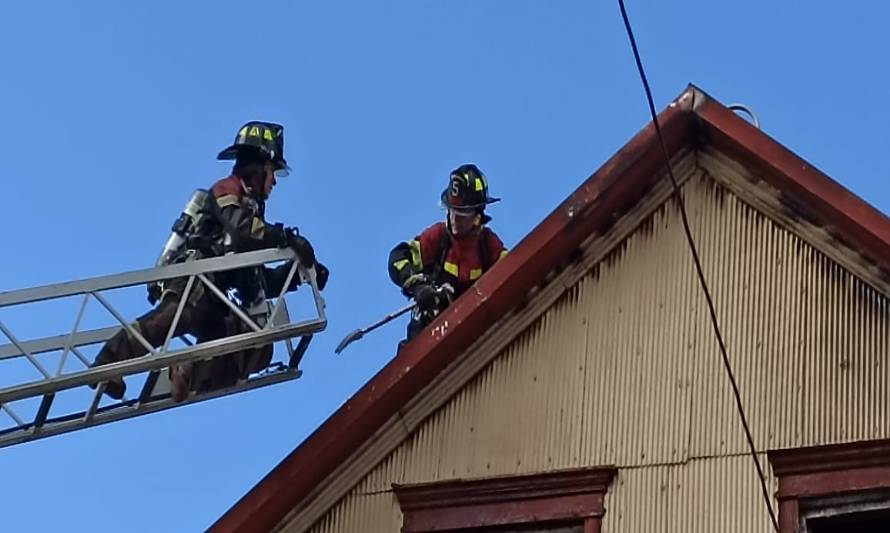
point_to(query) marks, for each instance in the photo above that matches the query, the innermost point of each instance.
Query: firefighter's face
(462, 222)
(270, 180)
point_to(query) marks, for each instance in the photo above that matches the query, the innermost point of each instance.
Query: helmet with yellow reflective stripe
(467, 190)
(266, 138)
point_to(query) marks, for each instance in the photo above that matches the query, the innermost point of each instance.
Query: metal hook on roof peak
(747, 110)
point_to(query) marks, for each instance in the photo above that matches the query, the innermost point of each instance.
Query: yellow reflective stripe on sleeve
(475, 273)
(227, 200)
(451, 268)
(401, 264)
(416, 259)
(257, 228)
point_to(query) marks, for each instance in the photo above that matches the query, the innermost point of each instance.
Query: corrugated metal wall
(624, 370)
(717, 494)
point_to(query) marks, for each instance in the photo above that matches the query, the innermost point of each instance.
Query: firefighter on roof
(442, 262)
(230, 218)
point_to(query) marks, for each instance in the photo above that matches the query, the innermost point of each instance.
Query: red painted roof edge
(808, 192)
(593, 207)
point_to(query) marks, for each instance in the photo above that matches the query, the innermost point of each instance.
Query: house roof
(694, 118)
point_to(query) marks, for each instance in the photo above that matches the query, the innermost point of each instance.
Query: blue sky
(113, 113)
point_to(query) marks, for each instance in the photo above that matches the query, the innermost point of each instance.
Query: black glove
(321, 275)
(154, 292)
(300, 245)
(426, 297)
(277, 234)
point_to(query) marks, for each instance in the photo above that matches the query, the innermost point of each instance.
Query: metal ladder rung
(43, 410)
(150, 382)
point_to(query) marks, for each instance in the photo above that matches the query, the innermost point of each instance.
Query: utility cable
(700, 271)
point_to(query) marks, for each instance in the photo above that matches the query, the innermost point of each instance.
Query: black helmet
(467, 190)
(265, 137)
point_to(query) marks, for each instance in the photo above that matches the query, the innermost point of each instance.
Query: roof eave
(806, 190)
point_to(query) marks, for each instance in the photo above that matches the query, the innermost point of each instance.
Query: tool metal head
(349, 339)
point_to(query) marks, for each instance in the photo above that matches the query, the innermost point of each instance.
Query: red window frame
(570, 496)
(824, 471)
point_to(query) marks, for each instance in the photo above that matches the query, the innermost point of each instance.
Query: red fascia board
(809, 192)
(592, 208)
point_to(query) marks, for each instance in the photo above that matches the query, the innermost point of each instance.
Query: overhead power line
(698, 268)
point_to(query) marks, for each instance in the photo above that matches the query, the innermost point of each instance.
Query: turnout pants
(204, 317)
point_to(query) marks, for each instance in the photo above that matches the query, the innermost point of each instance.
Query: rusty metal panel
(371, 513)
(808, 340)
(486, 428)
(702, 496)
(371, 506)
(637, 392)
(624, 369)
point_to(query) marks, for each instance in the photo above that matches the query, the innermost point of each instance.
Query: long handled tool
(359, 333)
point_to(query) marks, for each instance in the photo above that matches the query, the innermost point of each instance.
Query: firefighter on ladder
(446, 259)
(228, 219)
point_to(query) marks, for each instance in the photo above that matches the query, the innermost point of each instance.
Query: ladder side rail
(131, 409)
(57, 342)
(148, 275)
(205, 350)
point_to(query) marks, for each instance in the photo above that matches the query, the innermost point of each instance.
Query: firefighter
(445, 260)
(230, 219)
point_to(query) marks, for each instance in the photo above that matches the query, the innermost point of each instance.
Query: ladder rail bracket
(6, 331)
(231, 305)
(183, 299)
(80, 312)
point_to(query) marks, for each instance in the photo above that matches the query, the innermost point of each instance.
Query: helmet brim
(228, 154)
(473, 207)
(231, 153)
(282, 170)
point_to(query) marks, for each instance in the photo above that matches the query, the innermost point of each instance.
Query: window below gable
(553, 502)
(842, 488)
(540, 528)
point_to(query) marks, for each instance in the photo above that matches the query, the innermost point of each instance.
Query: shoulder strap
(444, 246)
(484, 250)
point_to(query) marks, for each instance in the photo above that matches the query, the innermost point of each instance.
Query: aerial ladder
(45, 391)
